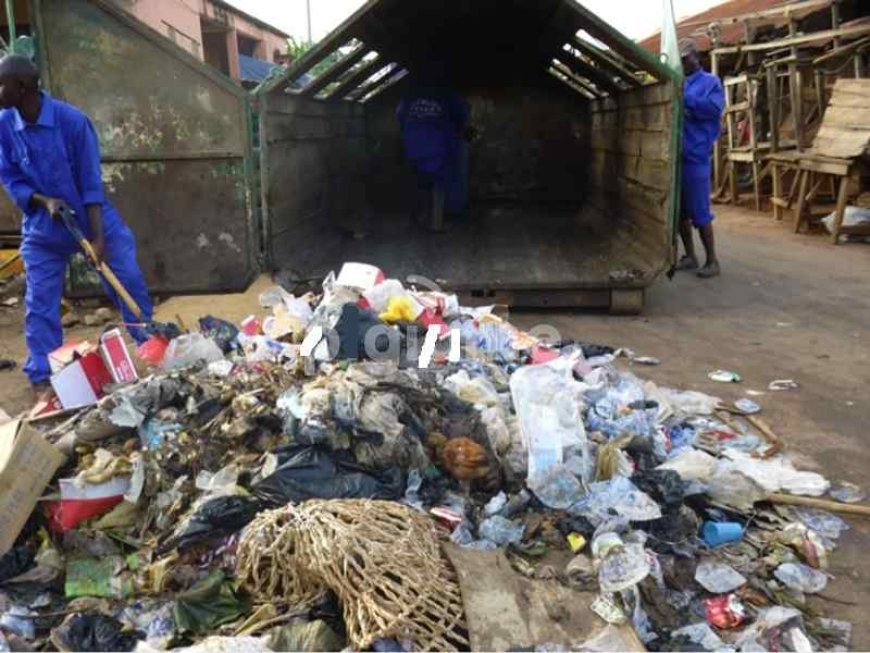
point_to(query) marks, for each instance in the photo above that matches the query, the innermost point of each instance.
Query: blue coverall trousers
(45, 270)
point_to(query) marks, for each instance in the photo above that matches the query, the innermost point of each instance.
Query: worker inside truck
(434, 120)
(50, 166)
(704, 99)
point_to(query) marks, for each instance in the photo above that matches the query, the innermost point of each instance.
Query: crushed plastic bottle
(19, 620)
(848, 493)
(801, 578)
(747, 406)
(717, 578)
(623, 409)
(623, 566)
(495, 505)
(620, 496)
(517, 503)
(557, 488)
(502, 531)
(824, 523)
(412, 493)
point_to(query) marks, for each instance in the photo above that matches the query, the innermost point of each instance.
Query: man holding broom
(49, 165)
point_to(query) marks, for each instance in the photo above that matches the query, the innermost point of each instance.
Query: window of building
(250, 47)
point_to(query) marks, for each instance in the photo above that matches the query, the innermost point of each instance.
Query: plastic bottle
(502, 531)
(623, 567)
(557, 487)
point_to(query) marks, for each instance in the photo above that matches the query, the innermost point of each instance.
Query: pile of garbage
(353, 467)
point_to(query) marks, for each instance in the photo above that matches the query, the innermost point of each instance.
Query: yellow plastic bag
(400, 309)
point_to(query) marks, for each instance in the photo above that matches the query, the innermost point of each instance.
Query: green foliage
(296, 49)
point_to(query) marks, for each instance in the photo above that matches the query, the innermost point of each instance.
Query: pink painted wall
(179, 20)
(161, 15)
(269, 41)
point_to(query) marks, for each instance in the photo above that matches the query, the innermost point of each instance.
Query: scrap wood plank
(794, 41)
(849, 117)
(823, 504)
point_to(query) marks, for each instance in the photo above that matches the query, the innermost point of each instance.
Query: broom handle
(109, 276)
(833, 506)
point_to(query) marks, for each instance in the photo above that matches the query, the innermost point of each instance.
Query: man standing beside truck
(435, 125)
(49, 165)
(704, 100)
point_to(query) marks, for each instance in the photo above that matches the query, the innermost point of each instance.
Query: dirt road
(786, 307)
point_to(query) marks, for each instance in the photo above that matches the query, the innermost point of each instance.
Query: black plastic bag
(642, 452)
(15, 562)
(352, 327)
(317, 473)
(576, 524)
(94, 632)
(664, 486)
(222, 332)
(214, 520)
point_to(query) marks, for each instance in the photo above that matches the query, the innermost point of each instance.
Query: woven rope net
(381, 559)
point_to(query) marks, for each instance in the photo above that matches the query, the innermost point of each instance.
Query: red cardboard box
(117, 357)
(67, 353)
(81, 382)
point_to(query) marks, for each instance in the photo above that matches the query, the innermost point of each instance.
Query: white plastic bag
(549, 404)
(477, 391)
(692, 465)
(778, 474)
(189, 349)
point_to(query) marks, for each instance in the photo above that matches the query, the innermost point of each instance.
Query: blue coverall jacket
(704, 101)
(432, 122)
(59, 156)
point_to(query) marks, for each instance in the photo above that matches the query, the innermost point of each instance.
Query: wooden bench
(838, 155)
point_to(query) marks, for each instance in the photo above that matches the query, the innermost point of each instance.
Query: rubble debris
(303, 481)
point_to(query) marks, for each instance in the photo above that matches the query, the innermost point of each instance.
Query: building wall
(269, 41)
(175, 19)
(181, 21)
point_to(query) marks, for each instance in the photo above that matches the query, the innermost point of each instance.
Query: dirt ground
(787, 307)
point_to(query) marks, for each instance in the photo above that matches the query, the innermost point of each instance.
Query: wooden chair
(837, 155)
(736, 153)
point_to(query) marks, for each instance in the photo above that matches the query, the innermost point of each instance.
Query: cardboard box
(117, 357)
(80, 383)
(67, 353)
(27, 463)
(359, 276)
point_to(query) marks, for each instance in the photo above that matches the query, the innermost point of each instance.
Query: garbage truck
(572, 178)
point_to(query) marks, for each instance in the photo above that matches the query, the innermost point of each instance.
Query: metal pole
(10, 19)
(307, 13)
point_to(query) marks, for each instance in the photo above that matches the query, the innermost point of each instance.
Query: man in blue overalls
(704, 99)
(50, 163)
(434, 123)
